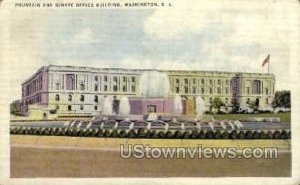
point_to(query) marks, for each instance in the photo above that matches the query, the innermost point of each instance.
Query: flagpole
(269, 67)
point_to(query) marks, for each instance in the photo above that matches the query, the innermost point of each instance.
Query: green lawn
(284, 117)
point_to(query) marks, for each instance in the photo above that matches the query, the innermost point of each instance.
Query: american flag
(267, 60)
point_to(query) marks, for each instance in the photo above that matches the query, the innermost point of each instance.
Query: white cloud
(83, 36)
(247, 31)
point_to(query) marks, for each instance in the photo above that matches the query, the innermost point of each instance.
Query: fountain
(124, 108)
(177, 104)
(107, 106)
(154, 84)
(200, 107)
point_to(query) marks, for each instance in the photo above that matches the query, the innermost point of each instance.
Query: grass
(284, 117)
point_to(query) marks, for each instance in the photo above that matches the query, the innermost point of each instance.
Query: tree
(217, 103)
(253, 105)
(282, 99)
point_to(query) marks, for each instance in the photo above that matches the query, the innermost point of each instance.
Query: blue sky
(214, 35)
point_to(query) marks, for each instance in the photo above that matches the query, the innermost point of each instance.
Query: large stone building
(69, 90)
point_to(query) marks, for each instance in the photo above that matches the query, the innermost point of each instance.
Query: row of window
(115, 78)
(33, 86)
(194, 80)
(81, 107)
(33, 100)
(202, 90)
(115, 88)
(70, 98)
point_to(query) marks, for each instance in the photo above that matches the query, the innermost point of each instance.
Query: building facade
(69, 90)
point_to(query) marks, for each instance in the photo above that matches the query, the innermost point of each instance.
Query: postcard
(158, 91)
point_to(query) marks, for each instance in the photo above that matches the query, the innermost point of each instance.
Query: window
(226, 90)
(115, 79)
(56, 97)
(202, 81)
(57, 86)
(202, 90)
(96, 87)
(194, 81)
(81, 107)
(210, 90)
(186, 81)
(132, 79)
(70, 81)
(219, 82)
(96, 98)
(194, 90)
(226, 100)
(82, 98)
(96, 78)
(267, 91)
(57, 107)
(267, 101)
(82, 86)
(177, 81)
(186, 89)
(248, 90)
(70, 97)
(124, 78)
(227, 82)
(69, 107)
(96, 107)
(133, 88)
(210, 100)
(210, 81)
(219, 90)
(105, 78)
(124, 88)
(105, 87)
(248, 100)
(115, 88)
(177, 89)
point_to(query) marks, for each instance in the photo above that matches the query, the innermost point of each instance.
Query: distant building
(70, 90)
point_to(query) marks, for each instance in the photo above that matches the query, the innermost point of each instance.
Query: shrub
(241, 135)
(248, 135)
(255, 135)
(169, 134)
(194, 134)
(276, 135)
(154, 134)
(201, 134)
(148, 134)
(35, 131)
(100, 133)
(107, 133)
(217, 134)
(81, 132)
(47, 131)
(269, 135)
(141, 133)
(123, 133)
(262, 135)
(75, 132)
(283, 135)
(186, 135)
(94, 132)
(209, 134)
(161, 134)
(225, 135)
(131, 134)
(114, 133)
(289, 135)
(87, 132)
(178, 134)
